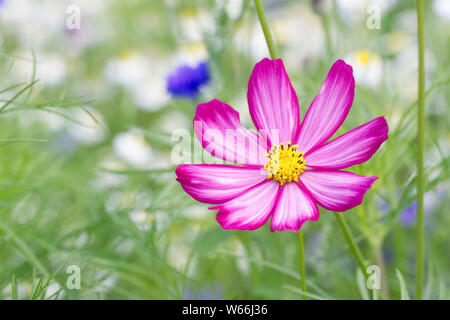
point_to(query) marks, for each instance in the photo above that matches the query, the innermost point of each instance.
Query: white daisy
(132, 148)
(367, 67)
(128, 70)
(442, 8)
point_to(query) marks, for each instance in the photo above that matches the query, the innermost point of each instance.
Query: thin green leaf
(404, 295)
(301, 292)
(14, 287)
(18, 94)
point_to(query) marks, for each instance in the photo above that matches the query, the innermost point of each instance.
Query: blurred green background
(86, 176)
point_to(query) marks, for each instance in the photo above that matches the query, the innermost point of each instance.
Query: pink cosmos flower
(289, 167)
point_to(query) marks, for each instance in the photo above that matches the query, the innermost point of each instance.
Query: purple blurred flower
(206, 293)
(186, 81)
(408, 216)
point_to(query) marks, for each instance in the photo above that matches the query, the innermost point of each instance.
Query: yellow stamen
(285, 163)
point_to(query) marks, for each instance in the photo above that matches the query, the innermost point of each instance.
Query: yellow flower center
(285, 163)
(363, 56)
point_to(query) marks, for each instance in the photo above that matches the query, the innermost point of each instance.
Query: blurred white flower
(298, 47)
(442, 8)
(52, 121)
(52, 289)
(194, 24)
(35, 23)
(249, 40)
(142, 219)
(15, 11)
(172, 121)
(151, 94)
(87, 128)
(398, 41)
(178, 254)
(190, 53)
(51, 68)
(367, 67)
(132, 148)
(143, 75)
(128, 70)
(233, 8)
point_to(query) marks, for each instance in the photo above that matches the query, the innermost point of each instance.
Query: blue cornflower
(186, 81)
(408, 216)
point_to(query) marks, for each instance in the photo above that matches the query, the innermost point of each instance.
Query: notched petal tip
(272, 101)
(336, 190)
(266, 61)
(294, 228)
(213, 106)
(214, 121)
(342, 64)
(385, 127)
(329, 108)
(342, 70)
(354, 147)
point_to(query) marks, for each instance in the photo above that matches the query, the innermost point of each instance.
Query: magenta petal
(219, 129)
(336, 190)
(211, 183)
(354, 147)
(251, 209)
(329, 108)
(272, 102)
(294, 206)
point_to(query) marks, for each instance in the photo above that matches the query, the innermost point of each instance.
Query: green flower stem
(351, 242)
(273, 55)
(379, 260)
(302, 263)
(420, 142)
(266, 30)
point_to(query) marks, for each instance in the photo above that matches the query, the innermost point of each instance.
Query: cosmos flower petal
(216, 184)
(219, 129)
(294, 206)
(273, 102)
(336, 190)
(251, 209)
(354, 147)
(329, 108)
